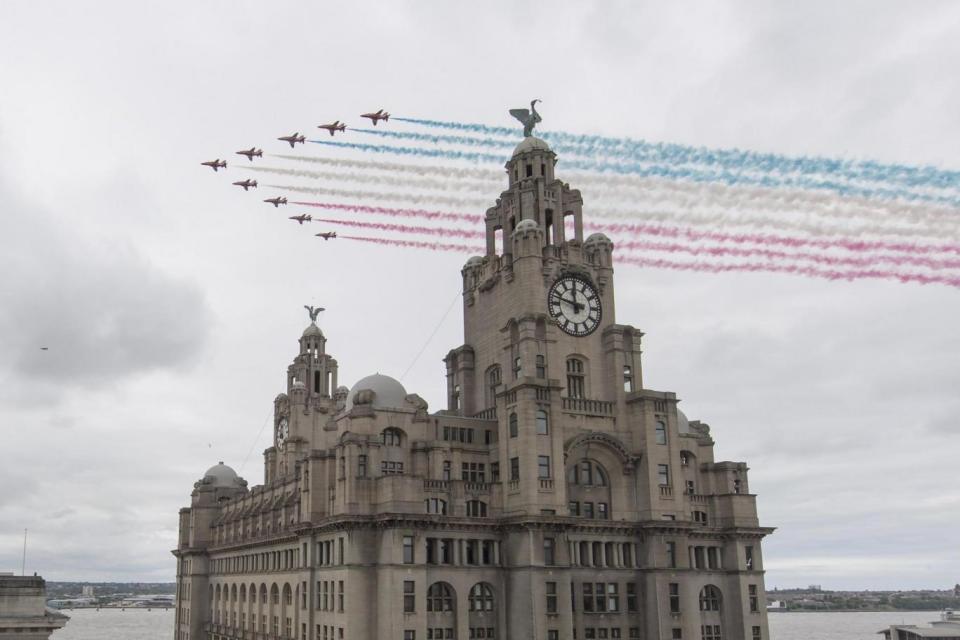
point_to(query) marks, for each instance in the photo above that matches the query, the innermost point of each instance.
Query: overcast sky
(172, 305)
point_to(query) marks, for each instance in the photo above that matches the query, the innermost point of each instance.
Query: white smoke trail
(451, 172)
(381, 196)
(379, 179)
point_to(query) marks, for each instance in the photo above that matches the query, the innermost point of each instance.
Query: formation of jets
(251, 153)
(333, 127)
(380, 114)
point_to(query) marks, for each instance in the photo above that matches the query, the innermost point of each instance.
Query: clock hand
(576, 305)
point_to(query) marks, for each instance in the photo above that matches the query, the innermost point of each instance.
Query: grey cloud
(103, 310)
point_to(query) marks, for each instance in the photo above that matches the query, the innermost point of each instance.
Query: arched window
(543, 426)
(481, 597)
(440, 598)
(391, 437)
(587, 473)
(436, 506)
(493, 381)
(263, 594)
(287, 594)
(513, 425)
(576, 387)
(476, 509)
(710, 598)
(661, 432)
(274, 595)
(233, 593)
(243, 593)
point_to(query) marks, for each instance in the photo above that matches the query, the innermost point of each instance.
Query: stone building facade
(555, 497)
(24, 614)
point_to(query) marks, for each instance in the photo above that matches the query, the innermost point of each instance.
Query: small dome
(312, 330)
(682, 422)
(526, 225)
(474, 261)
(389, 393)
(597, 238)
(222, 476)
(342, 389)
(531, 143)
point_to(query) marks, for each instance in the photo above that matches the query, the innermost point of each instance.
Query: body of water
(139, 624)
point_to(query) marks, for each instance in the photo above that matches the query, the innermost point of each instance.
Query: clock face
(574, 305)
(283, 431)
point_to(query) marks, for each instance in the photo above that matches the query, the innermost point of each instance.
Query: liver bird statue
(528, 119)
(313, 311)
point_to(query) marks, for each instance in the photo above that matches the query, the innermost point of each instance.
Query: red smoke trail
(810, 272)
(847, 244)
(773, 254)
(415, 244)
(403, 213)
(402, 228)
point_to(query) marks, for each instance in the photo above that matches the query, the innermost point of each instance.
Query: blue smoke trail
(641, 150)
(667, 172)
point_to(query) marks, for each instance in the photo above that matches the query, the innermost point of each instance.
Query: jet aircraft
(246, 184)
(333, 127)
(304, 217)
(215, 164)
(327, 235)
(251, 153)
(294, 139)
(377, 115)
(276, 202)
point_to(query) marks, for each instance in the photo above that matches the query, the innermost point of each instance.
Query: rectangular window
(362, 466)
(551, 597)
(757, 635)
(543, 466)
(446, 551)
(409, 634)
(613, 596)
(631, 597)
(754, 598)
(627, 378)
(691, 488)
(628, 554)
(588, 597)
(574, 508)
(494, 472)
(514, 468)
(548, 552)
(516, 367)
(677, 634)
(407, 549)
(748, 553)
(660, 432)
(672, 554)
(553, 634)
(663, 475)
(431, 551)
(602, 513)
(713, 560)
(486, 552)
(588, 510)
(736, 486)
(633, 632)
(389, 468)
(541, 367)
(340, 596)
(674, 597)
(446, 468)
(409, 598)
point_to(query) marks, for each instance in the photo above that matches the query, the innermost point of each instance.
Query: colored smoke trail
(366, 165)
(675, 173)
(684, 195)
(863, 261)
(376, 178)
(416, 244)
(800, 270)
(414, 198)
(693, 235)
(403, 228)
(641, 150)
(401, 213)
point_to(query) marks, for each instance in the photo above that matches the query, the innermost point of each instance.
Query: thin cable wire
(265, 420)
(435, 330)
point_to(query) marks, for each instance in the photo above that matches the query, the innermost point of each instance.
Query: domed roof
(390, 394)
(597, 237)
(312, 330)
(682, 423)
(531, 143)
(474, 261)
(222, 476)
(526, 225)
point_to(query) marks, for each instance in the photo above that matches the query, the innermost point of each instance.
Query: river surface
(138, 624)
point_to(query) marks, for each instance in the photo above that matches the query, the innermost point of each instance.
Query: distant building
(23, 610)
(947, 628)
(554, 497)
(88, 591)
